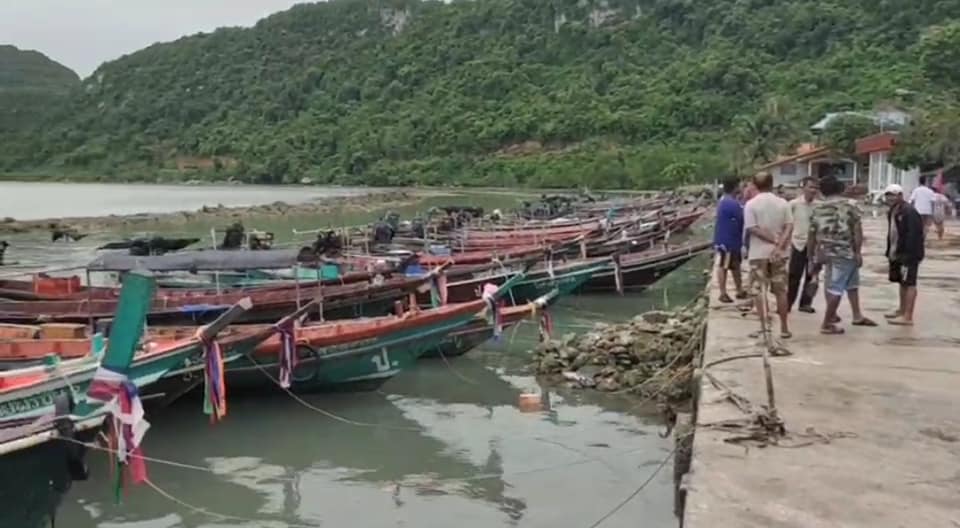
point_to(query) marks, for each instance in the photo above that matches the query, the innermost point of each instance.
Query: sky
(82, 34)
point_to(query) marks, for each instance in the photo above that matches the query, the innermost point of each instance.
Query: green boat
(542, 279)
(358, 354)
(480, 331)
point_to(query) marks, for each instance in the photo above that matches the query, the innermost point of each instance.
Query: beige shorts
(770, 272)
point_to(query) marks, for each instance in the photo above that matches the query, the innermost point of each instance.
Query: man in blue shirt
(728, 240)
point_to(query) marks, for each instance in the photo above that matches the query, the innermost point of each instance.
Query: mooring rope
(471, 478)
(329, 414)
(196, 509)
(636, 492)
(453, 370)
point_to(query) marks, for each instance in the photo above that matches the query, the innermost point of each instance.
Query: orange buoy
(530, 402)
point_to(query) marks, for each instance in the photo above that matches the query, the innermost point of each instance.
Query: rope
(636, 492)
(329, 414)
(204, 511)
(453, 370)
(479, 476)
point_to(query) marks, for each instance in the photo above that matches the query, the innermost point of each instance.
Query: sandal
(786, 335)
(864, 322)
(836, 320)
(831, 330)
(892, 315)
(807, 309)
(899, 321)
(724, 298)
(742, 295)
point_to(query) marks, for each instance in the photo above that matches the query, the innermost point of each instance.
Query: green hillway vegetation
(552, 93)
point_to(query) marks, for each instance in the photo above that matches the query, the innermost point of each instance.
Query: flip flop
(742, 295)
(786, 335)
(864, 322)
(807, 309)
(831, 330)
(893, 315)
(900, 322)
(724, 298)
(836, 319)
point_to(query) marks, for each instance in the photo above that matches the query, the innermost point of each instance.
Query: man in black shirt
(905, 251)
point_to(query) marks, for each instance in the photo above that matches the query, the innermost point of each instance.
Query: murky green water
(441, 445)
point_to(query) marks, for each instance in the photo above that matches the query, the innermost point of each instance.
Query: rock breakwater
(652, 355)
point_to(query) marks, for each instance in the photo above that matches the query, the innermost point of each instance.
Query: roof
(212, 260)
(883, 119)
(802, 155)
(882, 142)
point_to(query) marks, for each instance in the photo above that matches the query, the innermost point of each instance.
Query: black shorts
(904, 274)
(728, 260)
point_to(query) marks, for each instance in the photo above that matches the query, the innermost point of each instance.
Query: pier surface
(873, 416)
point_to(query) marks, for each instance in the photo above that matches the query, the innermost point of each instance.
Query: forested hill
(29, 83)
(498, 92)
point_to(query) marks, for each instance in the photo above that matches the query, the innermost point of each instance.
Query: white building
(812, 160)
(877, 149)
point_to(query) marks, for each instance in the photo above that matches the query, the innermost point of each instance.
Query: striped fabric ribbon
(128, 426)
(545, 326)
(288, 351)
(618, 274)
(214, 386)
(493, 309)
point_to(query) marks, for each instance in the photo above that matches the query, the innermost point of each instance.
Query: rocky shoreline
(652, 355)
(365, 202)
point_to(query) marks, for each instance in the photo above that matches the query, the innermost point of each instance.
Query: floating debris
(651, 355)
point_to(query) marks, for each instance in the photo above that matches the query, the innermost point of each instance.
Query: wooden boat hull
(480, 331)
(44, 475)
(356, 358)
(566, 279)
(349, 300)
(639, 270)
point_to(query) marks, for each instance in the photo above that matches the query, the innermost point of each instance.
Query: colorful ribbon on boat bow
(288, 351)
(214, 386)
(438, 290)
(546, 326)
(127, 424)
(618, 274)
(493, 310)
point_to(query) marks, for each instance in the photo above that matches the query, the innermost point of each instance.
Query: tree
(931, 140)
(843, 132)
(939, 51)
(760, 137)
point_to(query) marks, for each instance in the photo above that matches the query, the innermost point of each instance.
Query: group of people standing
(789, 245)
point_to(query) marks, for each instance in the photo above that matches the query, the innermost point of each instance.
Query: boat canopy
(208, 260)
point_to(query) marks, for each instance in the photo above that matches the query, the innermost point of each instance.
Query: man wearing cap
(905, 241)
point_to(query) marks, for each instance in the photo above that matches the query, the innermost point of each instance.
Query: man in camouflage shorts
(769, 223)
(836, 235)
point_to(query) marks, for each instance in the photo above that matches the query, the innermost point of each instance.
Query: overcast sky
(82, 34)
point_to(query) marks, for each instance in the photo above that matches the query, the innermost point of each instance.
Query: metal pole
(296, 283)
(90, 321)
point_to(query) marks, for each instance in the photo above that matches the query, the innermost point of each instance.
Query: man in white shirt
(769, 223)
(922, 200)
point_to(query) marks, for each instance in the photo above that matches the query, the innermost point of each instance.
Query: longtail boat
(43, 409)
(538, 280)
(479, 331)
(231, 265)
(189, 307)
(358, 354)
(638, 270)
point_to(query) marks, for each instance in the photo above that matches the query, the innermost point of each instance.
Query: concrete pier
(873, 416)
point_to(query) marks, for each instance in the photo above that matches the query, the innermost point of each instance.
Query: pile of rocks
(651, 355)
